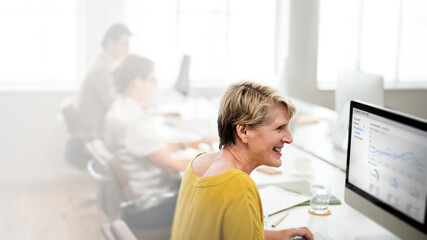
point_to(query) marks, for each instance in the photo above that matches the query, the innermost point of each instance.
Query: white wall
(32, 139)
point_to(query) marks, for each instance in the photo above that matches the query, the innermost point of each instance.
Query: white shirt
(130, 133)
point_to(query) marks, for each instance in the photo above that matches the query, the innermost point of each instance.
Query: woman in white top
(130, 134)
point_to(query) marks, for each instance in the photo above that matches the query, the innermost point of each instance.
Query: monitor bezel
(398, 117)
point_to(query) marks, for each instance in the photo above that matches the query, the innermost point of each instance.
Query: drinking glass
(319, 201)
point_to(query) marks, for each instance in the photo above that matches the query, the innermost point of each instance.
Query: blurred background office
(297, 46)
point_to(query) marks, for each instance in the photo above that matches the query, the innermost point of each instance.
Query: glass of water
(319, 201)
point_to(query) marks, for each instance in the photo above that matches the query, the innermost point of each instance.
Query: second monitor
(354, 85)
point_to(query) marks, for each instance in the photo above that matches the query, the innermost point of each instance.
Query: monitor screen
(182, 84)
(386, 166)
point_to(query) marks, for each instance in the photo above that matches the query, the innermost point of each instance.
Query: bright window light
(38, 42)
(227, 40)
(385, 37)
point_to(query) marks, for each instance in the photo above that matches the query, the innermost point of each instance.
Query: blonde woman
(218, 199)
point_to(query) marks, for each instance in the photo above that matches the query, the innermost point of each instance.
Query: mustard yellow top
(226, 206)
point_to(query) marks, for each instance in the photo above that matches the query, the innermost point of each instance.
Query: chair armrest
(107, 232)
(132, 205)
(121, 231)
(94, 173)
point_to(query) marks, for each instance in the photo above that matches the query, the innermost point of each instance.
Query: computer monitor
(386, 176)
(182, 84)
(354, 85)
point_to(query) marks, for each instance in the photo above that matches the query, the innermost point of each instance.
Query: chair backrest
(70, 115)
(117, 189)
(106, 232)
(119, 173)
(75, 151)
(118, 230)
(121, 231)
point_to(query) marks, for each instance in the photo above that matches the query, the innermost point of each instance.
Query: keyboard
(322, 236)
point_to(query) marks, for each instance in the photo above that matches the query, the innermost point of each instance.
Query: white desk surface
(343, 223)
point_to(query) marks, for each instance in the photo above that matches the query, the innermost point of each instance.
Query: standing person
(218, 199)
(131, 134)
(96, 93)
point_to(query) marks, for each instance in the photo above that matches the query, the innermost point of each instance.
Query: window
(385, 37)
(227, 39)
(38, 42)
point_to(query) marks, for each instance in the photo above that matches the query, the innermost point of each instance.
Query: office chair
(75, 151)
(116, 197)
(118, 230)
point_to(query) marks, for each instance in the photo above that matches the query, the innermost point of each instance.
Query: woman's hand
(302, 231)
(288, 234)
(169, 114)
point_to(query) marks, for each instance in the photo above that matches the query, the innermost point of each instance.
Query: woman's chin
(276, 163)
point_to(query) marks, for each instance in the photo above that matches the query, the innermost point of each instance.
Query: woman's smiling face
(265, 142)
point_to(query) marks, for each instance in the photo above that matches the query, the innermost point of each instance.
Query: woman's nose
(287, 138)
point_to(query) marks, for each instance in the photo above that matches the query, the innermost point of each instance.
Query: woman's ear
(242, 132)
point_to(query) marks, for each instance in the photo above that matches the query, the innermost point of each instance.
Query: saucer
(306, 173)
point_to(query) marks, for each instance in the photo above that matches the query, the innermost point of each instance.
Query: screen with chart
(387, 162)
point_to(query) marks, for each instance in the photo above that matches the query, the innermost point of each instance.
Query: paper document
(275, 199)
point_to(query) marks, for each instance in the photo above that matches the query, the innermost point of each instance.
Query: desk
(197, 118)
(344, 222)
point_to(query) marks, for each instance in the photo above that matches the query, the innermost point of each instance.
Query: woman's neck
(237, 157)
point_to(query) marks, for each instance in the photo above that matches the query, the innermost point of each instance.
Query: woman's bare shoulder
(203, 162)
(211, 164)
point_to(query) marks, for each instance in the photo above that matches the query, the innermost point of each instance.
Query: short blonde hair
(247, 103)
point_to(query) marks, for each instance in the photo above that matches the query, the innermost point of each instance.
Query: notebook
(275, 199)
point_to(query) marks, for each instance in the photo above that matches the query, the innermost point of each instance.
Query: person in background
(96, 94)
(218, 199)
(132, 135)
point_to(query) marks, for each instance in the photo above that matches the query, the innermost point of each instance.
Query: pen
(280, 219)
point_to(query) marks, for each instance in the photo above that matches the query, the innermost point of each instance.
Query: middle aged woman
(218, 199)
